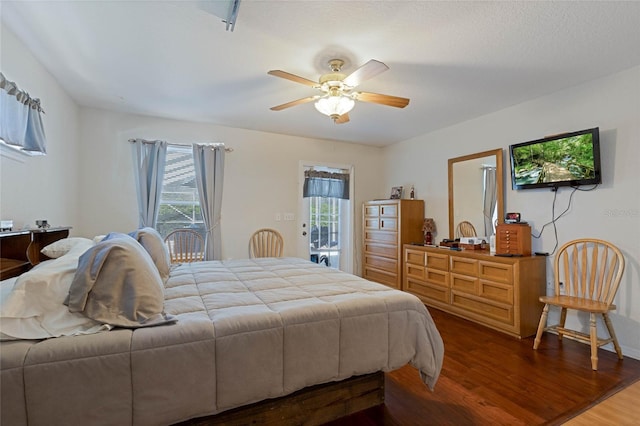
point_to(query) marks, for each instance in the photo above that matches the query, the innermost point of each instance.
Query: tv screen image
(569, 159)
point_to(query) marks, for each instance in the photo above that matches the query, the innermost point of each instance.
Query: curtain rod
(185, 145)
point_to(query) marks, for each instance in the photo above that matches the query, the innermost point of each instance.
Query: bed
(228, 334)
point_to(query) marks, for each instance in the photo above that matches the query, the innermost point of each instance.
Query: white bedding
(31, 305)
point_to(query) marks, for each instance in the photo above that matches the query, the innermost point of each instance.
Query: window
(179, 202)
(324, 221)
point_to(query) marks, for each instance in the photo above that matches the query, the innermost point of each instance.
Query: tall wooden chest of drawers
(498, 292)
(513, 238)
(387, 226)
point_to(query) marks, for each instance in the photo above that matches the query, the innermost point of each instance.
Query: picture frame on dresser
(396, 193)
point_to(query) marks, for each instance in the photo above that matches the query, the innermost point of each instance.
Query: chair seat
(577, 303)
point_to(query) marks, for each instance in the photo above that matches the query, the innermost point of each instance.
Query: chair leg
(541, 326)
(607, 322)
(594, 341)
(563, 319)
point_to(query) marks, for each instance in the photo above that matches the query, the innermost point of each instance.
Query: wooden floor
(489, 378)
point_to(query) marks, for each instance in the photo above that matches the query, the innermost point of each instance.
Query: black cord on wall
(553, 214)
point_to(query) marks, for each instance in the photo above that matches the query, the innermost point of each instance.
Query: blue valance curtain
(325, 184)
(20, 120)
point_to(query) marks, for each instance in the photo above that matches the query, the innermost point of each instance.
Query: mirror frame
(499, 183)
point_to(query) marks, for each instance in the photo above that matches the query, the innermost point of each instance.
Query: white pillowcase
(34, 309)
(61, 247)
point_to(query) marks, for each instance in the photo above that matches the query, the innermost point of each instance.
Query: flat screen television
(568, 159)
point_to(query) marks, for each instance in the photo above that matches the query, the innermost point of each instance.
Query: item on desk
(6, 225)
(512, 217)
(473, 243)
(42, 224)
(449, 243)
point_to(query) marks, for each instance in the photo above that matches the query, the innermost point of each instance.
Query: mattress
(246, 330)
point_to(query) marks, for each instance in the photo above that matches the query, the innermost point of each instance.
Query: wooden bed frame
(315, 405)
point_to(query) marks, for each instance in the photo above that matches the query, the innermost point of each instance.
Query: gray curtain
(489, 199)
(20, 120)
(326, 184)
(208, 161)
(149, 159)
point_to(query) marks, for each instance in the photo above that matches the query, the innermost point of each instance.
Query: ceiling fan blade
(365, 72)
(344, 118)
(293, 77)
(376, 98)
(294, 103)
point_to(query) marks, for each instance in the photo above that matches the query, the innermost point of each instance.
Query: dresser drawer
(384, 263)
(465, 283)
(414, 271)
(389, 223)
(389, 210)
(463, 265)
(381, 236)
(436, 277)
(414, 257)
(500, 272)
(382, 277)
(437, 261)
(371, 211)
(372, 223)
(441, 294)
(497, 311)
(386, 250)
(496, 291)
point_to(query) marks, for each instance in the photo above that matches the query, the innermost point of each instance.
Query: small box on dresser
(513, 238)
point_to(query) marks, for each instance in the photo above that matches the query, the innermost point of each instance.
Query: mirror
(467, 200)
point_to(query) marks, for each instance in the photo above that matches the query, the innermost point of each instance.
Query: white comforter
(247, 330)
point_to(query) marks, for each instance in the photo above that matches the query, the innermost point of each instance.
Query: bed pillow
(31, 306)
(117, 283)
(61, 247)
(153, 243)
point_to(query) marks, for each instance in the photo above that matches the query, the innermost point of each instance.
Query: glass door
(326, 225)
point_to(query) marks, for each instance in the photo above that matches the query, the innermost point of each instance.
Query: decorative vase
(428, 238)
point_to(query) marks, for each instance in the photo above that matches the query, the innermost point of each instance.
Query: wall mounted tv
(569, 159)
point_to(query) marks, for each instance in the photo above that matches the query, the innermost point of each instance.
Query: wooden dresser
(20, 250)
(498, 292)
(387, 226)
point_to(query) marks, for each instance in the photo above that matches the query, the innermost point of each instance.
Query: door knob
(304, 233)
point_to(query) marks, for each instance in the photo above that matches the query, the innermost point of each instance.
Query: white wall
(261, 174)
(40, 187)
(610, 212)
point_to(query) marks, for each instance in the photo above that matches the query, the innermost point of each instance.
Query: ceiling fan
(338, 96)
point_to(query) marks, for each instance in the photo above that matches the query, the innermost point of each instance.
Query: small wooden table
(20, 250)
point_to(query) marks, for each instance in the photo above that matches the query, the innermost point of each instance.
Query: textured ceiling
(455, 60)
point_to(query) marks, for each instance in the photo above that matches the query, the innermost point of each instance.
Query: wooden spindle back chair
(587, 276)
(465, 229)
(266, 242)
(185, 245)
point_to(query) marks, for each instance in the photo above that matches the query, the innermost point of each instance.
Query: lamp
(428, 227)
(334, 106)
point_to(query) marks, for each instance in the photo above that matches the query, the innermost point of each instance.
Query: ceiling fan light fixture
(334, 106)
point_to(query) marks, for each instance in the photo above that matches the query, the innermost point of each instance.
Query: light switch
(289, 216)
(278, 217)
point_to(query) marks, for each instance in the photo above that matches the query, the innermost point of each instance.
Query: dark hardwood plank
(493, 379)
